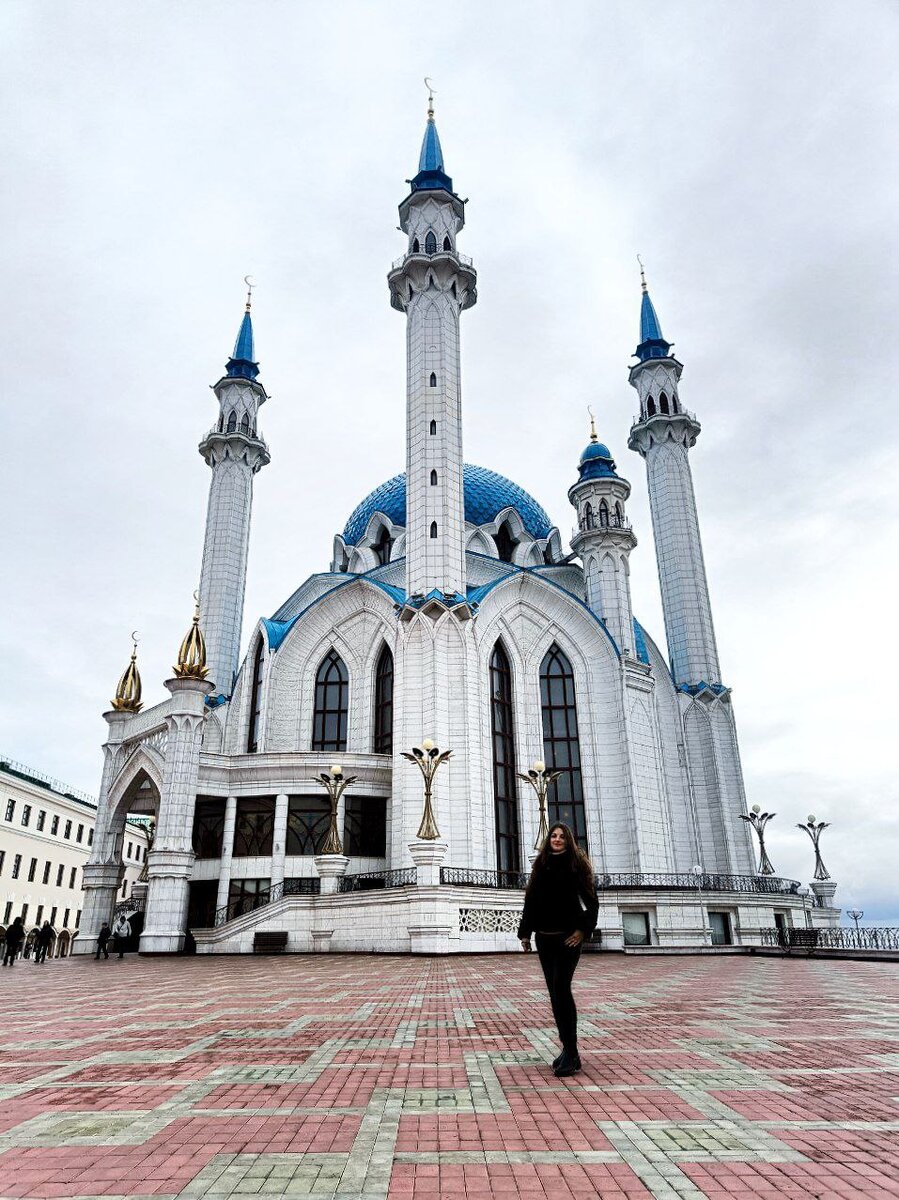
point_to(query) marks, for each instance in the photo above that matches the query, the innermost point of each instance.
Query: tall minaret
(663, 434)
(432, 285)
(235, 451)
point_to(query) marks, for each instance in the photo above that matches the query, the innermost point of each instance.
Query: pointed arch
(650, 407)
(430, 242)
(505, 542)
(329, 717)
(588, 516)
(382, 742)
(561, 742)
(603, 514)
(416, 246)
(383, 547)
(663, 403)
(433, 529)
(254, 726)
(232, 421)
(505, 794)
(433, 478)
(433, 380)
(447, 244)
(432, 428)
(245, 424)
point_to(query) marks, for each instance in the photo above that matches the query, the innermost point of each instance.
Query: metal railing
(711, 882)
(681, 412)
(465, 877)
(305, 886)
(463, 258)
(22, 771)
(879, 938)
(594, 525)
(371, 881)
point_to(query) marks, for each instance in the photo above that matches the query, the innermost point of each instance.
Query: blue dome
(596, 461)
(486, 494)
(596, 450)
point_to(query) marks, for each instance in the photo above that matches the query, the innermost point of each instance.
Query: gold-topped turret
(192, 655)
(127, 696)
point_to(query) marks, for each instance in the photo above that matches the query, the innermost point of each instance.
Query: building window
(41, 820)
(79, 836)
(505, 543)
(433, 529)
(603, 515)
(383, 722)
(67, 832)
(383, 546)
(90, 837)
(39, 914)
(719, 923)
(433, 379)
(636, 928)
(77, 918)
(232, 421)
(47, 867)
(24, 913)
(588, 516)
(433, 430)
(54, 824)
(7, 912)
(505, 795)
(430, 242)
(245, 424)
(72, 874)
(26, 813)
(65, 919)
(650, 407)
(10, 809)
(52, 916)
(663, 403)
(329, 720)
(16, 866)
(209, 828)
(124, 888)
(32, 870)
(254, 827)
(447, 244)
(245, 895)
(3, 860)
(308, 818)
(256, 698)
(59, 873)
(561, 744)
(365, 826)
(416, 246)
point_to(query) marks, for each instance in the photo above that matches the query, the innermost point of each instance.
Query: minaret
(432, 284)
(663, 434)
(604, 539)
(235, 452)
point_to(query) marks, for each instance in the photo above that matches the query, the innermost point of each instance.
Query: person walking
(43, 942)
(15, 936)
(561, 908)
(103, 939)
(121, 931)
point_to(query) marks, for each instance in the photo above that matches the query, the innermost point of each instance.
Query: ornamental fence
(304, 886)
(879, 938)
(464, 877)
(711, 882)
(372, 881)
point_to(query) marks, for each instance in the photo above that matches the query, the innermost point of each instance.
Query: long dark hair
(577, 860)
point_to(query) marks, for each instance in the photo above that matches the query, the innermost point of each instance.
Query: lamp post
(335, 784)
(540, 779)
(428, 758)
(697, 875)
(855, 914)
(758, 820)
(814, 830)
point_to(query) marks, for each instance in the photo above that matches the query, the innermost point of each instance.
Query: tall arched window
(383, 546)
(383, 722)
(433, 479)
(433, 529)
(329, 720)
(430, 242)
(619, 515)
(433, 428)
(650, 407)
(561, 745)
(447, 245)
(505, 795)
(416, 246)
(232, 421)
(588, 515)
(603, 515)
(254, 728)
(505, 543)
(663, 403)
(433, 380)
(245, 424)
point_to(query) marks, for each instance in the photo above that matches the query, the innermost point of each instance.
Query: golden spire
(127, 696)
(593, 437)
(642, 275)
(192, 655)
(430, 88)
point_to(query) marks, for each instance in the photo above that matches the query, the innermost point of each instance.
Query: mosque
(286, 788)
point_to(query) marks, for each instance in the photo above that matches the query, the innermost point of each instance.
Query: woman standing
(560, 906)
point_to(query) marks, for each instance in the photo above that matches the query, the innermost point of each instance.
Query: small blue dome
(596, 450)
(596, 461)
(486, 494)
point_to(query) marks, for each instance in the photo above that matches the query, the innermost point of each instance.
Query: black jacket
(557, 901)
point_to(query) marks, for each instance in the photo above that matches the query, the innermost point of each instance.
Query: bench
(270, 943)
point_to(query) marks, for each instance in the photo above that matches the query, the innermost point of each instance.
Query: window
(430, 242)
(603, 515)
(46, 878)
(561, 744)
(209, 827)
(54, 825)
(24, 913)
(663, 403)
(90, 837)
(32, 870)
(232, 421)
(433, 529)
(67, 832)
(505, 543)
(365, 826)
(52, 916)
(65, 919)
(383, 722)
(16, 866)
(588, 516)
(77, 918)
(124, 888)
(416, 246)
(329, 720)
(3, 860)
(433, 479)
(11, 805)
(719, 923)
(72, 874)
(127, 849)
(244, 895)
(505, 794)
(254, 827)
(433, 382)
(41, 820)
(636, 928)
(650, 407)
(619, 515)
(245, 424)
(7, 912)
(59, 872)
(256, 698)
(308, 818)
(447, 244)
(79, 836)
(26, 813)
(39, 914)
(433, 430)
(383, 546)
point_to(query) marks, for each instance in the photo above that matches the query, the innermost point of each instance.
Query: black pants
(101, 946)
(10, 954)
(559, 962)
(40, 952)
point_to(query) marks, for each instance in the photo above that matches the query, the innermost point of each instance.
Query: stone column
(279, 839)
(331, 867)
(428, 858)
(227, 852)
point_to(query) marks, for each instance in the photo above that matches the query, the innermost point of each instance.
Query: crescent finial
(248, 280)
(134, 638)
(430, 88)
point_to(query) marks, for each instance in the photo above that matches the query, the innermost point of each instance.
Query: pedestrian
(15, 936)
(43, 942)
(561, 908)
(121, 931)
(102, 939)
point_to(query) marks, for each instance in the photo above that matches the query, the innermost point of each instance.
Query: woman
(15, 936)
(560, 906)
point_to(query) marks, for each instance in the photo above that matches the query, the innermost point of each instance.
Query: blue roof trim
(487, 493)
(640, 643)
(276, 631)
(693, 689)
(242, 364)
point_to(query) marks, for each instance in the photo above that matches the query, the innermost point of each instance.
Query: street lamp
(814, 830)
(429, 758)
(855, 914)
(540, 779)
(697, 875)
(758, 820)
(335, 784)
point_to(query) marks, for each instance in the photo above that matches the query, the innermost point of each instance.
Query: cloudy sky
(155, 154)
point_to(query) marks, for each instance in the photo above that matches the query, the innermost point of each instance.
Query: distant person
(121, 931)
(561, 907)
(43, 942)
(15, 936)
(103, 939)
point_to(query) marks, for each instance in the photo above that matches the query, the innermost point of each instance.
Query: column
(227, 852)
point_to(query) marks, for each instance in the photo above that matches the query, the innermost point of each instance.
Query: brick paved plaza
(411, 1078)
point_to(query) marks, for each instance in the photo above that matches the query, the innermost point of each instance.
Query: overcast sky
(155, 154)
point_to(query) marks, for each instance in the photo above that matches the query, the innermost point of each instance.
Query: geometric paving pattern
(371, 1077)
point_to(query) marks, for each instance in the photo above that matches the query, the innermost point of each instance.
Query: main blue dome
(486, 494)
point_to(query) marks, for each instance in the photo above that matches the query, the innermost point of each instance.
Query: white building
(46, 833)
(451, 610)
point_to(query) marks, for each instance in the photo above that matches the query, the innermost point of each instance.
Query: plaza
(399, 1076)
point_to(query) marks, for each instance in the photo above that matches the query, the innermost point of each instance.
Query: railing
(305, 886)
(21, 771)
(371, 881)
(613, 522)
(464, 877)
(879, 938)
(681, 412)
(128, 907)
(711, 882)
(463, 258)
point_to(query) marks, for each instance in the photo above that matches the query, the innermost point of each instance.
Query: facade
(46, 834)
(451, 611)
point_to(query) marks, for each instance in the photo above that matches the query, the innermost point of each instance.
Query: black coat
(558, 902)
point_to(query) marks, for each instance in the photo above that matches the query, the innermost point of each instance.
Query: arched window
(383, 716)
(433, 380)
(561, 745)
(588, 516)
(650, 407)
(663, 403)
(430, 242)
(232, 421)
(603, 515)
(505, 543)
(433, 428)
(674, 405)
(433, 529)
(329, 720)
(505, 795)
(254, 727)
(447, 245)
(433, 479)
(245, 424)
(383, 546)
(416, 247)
(619, 515)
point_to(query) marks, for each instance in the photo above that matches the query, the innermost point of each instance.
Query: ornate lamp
(814, 830)
(540, 779)
(758, 820)
(855, 914)
(335, 784)
(429, 758)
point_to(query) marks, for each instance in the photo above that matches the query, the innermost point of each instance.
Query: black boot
(569, 1063)
(558, 1059)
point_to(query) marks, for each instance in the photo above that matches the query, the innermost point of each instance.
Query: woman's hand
(574, 939)
(526, 945)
